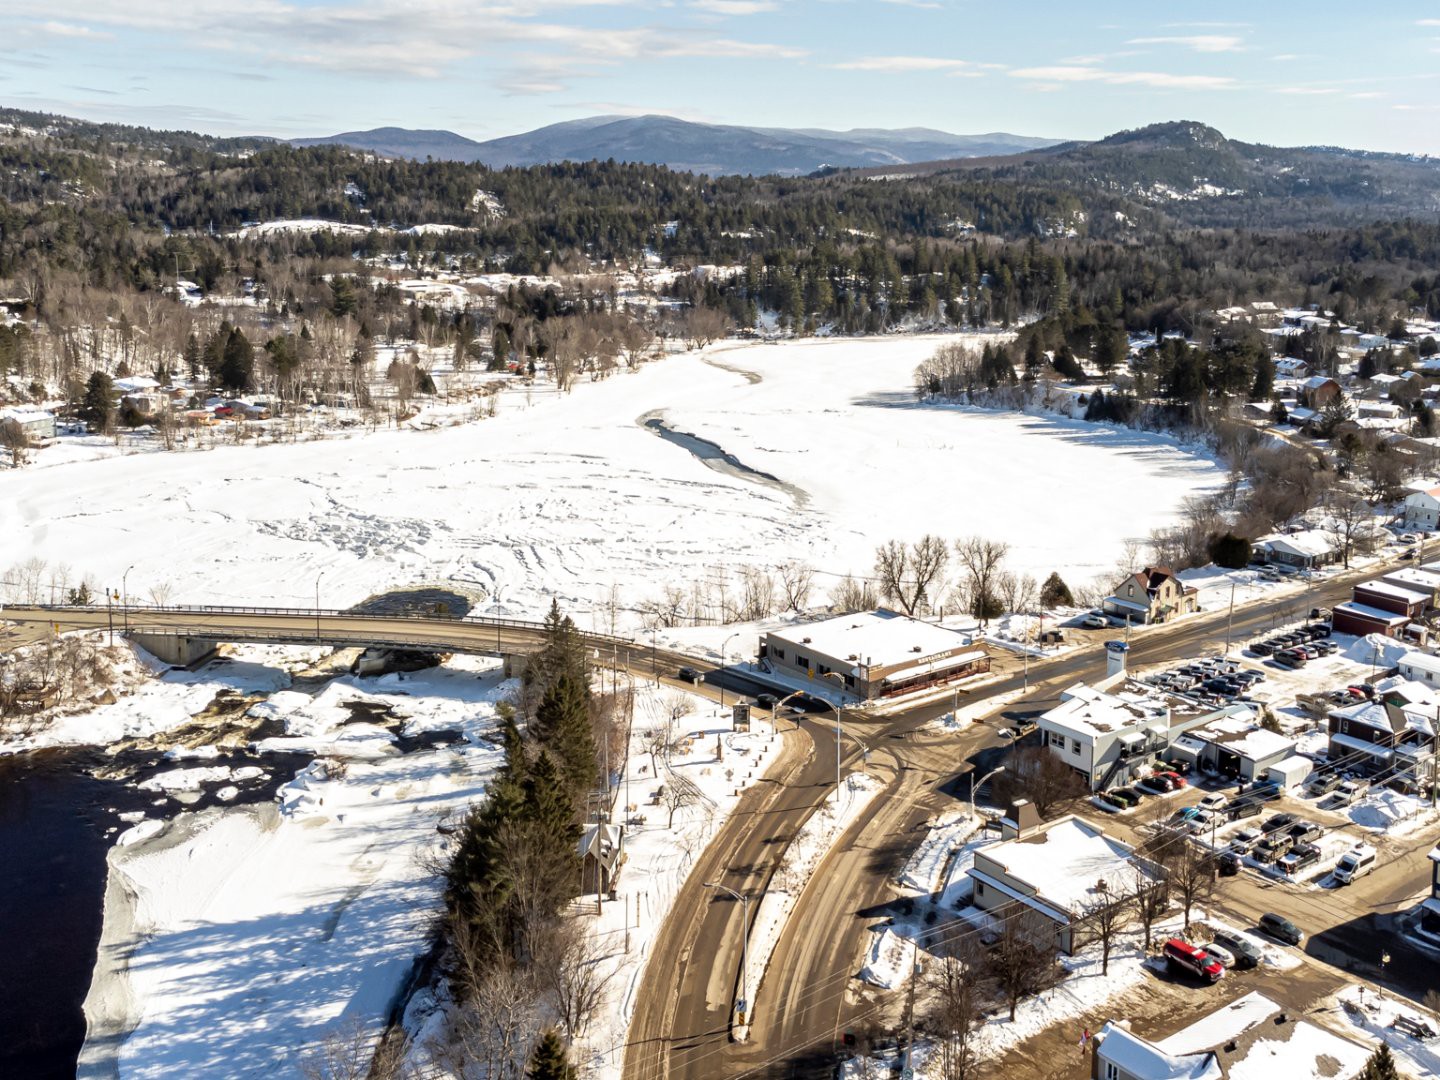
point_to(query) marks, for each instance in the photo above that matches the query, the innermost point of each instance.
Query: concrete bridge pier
(176, 649)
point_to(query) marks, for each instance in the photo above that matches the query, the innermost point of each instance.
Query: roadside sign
(740, 716)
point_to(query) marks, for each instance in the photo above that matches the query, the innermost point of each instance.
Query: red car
(1175, 778)
(1181, 954)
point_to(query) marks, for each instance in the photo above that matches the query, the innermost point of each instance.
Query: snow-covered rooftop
(1311, 542)
(873, 638)
(1087, 711)
(1135, 1056)
(1241, 735)
(1220, 1026)
(1062, 862)
(1393, 592)
(1369, 612)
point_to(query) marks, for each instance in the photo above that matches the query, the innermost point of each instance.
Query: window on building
(802, 661)
(1054, 738)
(1112, 1071)
(1074, 746)
(779, 654)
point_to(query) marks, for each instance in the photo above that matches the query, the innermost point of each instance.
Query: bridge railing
(134, 610)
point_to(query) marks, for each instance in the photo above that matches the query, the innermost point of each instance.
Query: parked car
(688, 674)
(1244, 840)
(1247, 953)
(1159, 783)
(1229, 864)
(1127, 796)
(1175, 778)
(1355, 863)
(1184, 768)
(1182, 956)
(1323, 783)
(1261, 648)
(1281, 928)
(1298, 858)
(766, 701)
(1273, 848)
(1219, 952)
(1306, 832)
(1278, 822)
(1348, 792)
(1095, 622)
(1243, 808)
(1214, 801)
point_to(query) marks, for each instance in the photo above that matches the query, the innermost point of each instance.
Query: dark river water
(55, 819)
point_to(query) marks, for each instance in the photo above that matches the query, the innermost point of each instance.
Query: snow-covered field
(573, 496)
(234, 938)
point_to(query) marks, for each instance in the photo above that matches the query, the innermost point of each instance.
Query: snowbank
(804, 854)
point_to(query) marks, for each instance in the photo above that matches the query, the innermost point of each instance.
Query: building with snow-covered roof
(1251, 1038)
(1230, 742)
(1105, 737)
(1391, 737)
(1422, 509)
(1416, 579)
(1307, 549)
(35, 423)
(1152, 595)
(873, 653)
(1063, 870)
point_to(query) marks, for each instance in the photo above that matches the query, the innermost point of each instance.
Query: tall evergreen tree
(549, 1061)
(1381, 1065)
(562, 726)
(237, 364)
(1055, 593)
(99, 406)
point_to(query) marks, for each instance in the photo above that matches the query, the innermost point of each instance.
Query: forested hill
(1189, 173)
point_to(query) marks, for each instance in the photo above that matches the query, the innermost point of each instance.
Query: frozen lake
(574, 495)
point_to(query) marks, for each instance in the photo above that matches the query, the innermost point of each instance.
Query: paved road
(806, 997)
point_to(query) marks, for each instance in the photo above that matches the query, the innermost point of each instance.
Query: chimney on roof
(1021, 820)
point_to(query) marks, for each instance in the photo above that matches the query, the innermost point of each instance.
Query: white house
(1248, 1038)
(35, 423)
(1308, 549)
(1421, 667)
(1104, 736)
(1422, 509)
(1291, 367)
(1062, 870)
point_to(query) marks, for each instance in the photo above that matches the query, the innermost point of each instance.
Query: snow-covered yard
(573, 496)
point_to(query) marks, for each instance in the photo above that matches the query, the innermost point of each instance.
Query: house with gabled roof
(1152, 595)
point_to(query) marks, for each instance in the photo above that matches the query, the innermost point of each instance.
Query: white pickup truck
(1347, 794)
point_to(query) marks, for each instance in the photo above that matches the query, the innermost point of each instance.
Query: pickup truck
(1347, 794)
(1298, 859)
(1323, 784)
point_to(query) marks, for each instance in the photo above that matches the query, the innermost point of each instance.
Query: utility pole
(907, 1071)
(1230, 620)
(125, 597)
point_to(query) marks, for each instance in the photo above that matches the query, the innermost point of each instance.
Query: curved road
(805, 1000)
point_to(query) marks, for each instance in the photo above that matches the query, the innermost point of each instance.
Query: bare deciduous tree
(1034, 773)
(499, 1012)
(1350, 524)
(852, 594)
(910, 575)
(350, 1052)
(574, 975)
(1104, 916)
(757, 593)
(982, 561)
(795, 582)
(680, 792)
(958, 1005)
(1023, 961)
(1148, 901)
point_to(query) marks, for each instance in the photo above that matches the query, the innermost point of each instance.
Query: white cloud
(72, 30)
(1205, 43)
(924, 5)
(733, 7)
(1307, 91)
(1427, 22)
(1281, 58)
(1366, 95)
(1162, 80)
(900, 64)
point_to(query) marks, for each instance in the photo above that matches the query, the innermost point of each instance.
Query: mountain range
(683, 145)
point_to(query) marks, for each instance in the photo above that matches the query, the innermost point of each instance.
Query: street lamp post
(742, 1004)
(724, 659)
(836, 675)
(125, 598)
(318, 576)
(974, 787)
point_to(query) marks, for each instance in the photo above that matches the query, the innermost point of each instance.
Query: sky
(1279, 72)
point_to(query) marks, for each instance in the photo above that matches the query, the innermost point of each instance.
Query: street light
(724, 659)
(741, 1003)
(1230, 619)
(125, 597)
(318, 576)
(832, 708)
(974, 787)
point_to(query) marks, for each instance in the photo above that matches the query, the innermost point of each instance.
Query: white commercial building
(873, 653)
(1063, 870)
(1105, 736)
(1231, 743)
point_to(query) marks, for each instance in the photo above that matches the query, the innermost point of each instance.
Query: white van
(1355, 863)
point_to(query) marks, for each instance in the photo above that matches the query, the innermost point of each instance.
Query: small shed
(602, 851)
(1290, 772)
